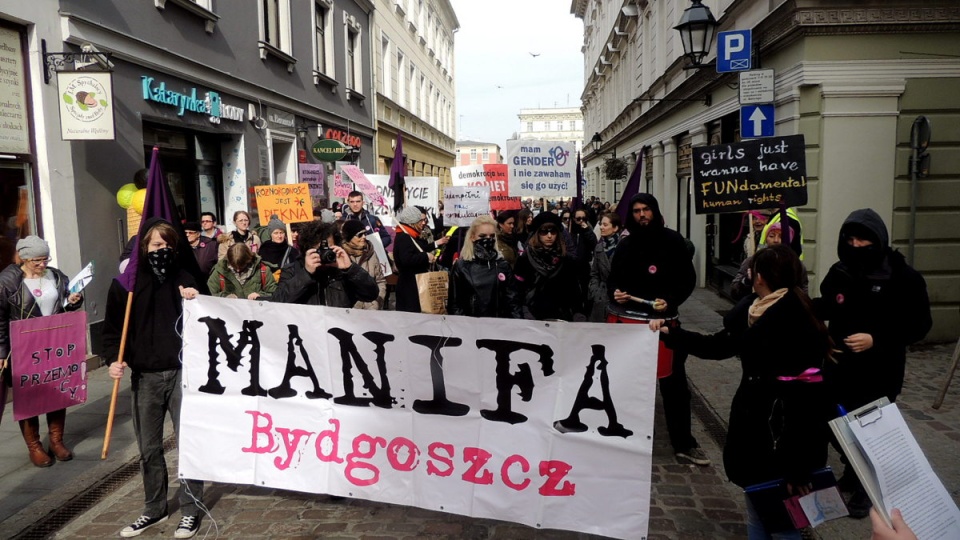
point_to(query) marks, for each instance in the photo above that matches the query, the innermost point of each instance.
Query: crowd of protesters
(567, 262)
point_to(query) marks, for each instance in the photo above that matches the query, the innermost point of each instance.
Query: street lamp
(596, 143)
(697, 28)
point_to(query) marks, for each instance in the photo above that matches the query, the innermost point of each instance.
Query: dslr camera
(327, 255)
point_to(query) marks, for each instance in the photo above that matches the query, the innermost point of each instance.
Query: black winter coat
(893, 308)
(325, 287)
(410, 262)
(483, 289)
(547, 298)
(778, 429)
(650, 266)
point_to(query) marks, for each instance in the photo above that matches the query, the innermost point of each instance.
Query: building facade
(850, 76)
(416, 95)
(233, 95)
(552, 124)
(478, 153)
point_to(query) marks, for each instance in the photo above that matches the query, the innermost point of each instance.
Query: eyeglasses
(206, 221)
(544, 232)
(39, 260)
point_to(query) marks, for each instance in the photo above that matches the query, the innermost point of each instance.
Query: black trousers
(675, 392)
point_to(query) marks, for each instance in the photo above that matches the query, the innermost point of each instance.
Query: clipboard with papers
(893, 470)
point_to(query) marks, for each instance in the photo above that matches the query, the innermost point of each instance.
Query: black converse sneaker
(141, 524)
(189, 525)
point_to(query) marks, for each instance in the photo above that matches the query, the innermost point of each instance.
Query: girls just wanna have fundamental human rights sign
(549, 424)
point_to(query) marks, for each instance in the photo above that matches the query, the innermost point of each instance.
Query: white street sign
(756, 86)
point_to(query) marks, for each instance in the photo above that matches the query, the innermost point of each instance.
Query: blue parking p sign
(756, 121)
(734, 50)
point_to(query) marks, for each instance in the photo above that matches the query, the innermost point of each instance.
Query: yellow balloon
(139, 197)
(125, 194)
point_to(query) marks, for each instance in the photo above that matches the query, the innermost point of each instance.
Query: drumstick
(651, 303)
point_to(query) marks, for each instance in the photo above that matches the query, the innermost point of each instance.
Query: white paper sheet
(906, 480)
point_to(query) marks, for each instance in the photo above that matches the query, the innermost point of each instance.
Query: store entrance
(725, 251)
(192, 166)
(17, 218)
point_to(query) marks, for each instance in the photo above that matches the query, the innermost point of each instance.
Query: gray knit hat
(409, 215)
(33, 247)
(327, 216)
(275, 224)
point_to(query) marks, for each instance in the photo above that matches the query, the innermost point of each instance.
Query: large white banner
(551, 427)
(542, 168)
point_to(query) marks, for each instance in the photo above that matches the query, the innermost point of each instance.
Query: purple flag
(159, 204)
(577, 201)
(396, 181)
(631, 189)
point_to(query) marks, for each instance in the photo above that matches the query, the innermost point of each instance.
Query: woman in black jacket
(481, 283)
(30, 290)
(546, 276)
(778, 418)
(412, 255)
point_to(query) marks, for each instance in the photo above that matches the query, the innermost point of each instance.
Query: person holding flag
(142, 330)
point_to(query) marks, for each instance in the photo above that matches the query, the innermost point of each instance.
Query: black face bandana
(485, 248)
(863, 259)
(160, 262)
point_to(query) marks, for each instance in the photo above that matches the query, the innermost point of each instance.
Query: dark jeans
(676, 404)
(154, 395)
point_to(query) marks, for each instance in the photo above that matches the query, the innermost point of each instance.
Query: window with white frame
(423, 97)
(413, 89)
(529, 126)
(473, 155)
(275, 24)
(323, 38)
(386, 69)
(354, 54)
(401, 80)
(546, 126)
(486, 155)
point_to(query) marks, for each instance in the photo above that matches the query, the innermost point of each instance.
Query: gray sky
(493, 49)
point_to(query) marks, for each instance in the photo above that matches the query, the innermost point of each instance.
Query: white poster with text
(542, 168)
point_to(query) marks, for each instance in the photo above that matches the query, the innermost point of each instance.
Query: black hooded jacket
(153, 337)
(871, 290)
(652, 262)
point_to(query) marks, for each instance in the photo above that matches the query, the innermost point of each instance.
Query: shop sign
(328, 150)
(14, 128)
(210, 104)
(280, 119)
(86, 106)
(344, 137)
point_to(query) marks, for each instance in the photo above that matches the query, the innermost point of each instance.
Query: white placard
(421, 191)
(463, 204)
(479, 417)
(14, 122)
(756, 86)
(542, 168)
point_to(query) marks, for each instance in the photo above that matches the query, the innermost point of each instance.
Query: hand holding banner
(290, 202)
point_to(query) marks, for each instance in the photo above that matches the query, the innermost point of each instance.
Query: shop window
(323, 64)
(17, 217)
(275, 34)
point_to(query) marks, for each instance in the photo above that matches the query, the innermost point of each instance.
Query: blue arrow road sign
(756, 121)
(734, 50)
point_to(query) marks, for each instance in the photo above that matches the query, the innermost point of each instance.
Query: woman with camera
(324, 275)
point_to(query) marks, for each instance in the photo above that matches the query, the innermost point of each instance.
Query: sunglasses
(578, 220)
(546, 231)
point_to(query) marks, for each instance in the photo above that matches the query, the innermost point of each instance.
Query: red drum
(664, 354)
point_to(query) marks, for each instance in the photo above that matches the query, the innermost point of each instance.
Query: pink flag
(49, 361)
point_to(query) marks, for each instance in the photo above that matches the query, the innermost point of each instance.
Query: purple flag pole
(157, 204)
(631, 189)
(397, 169)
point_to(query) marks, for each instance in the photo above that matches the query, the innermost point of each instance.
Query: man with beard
(877, 305)
(653, 263)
